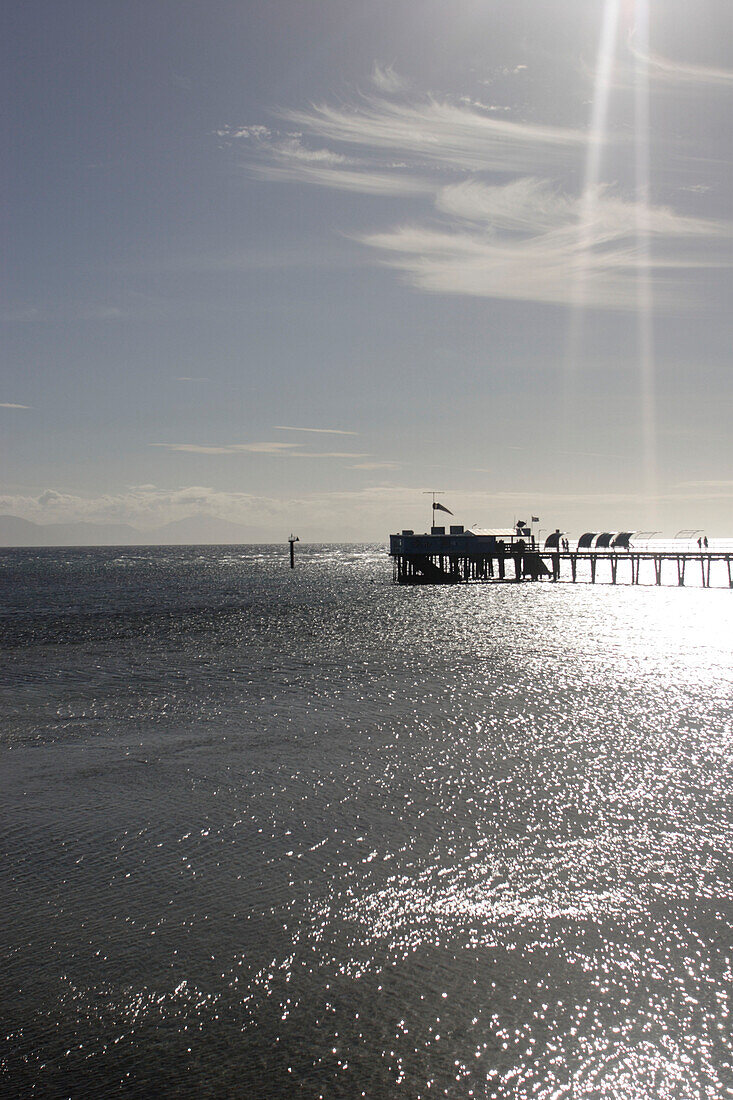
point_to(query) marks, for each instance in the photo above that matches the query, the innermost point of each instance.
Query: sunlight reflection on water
(316, 835)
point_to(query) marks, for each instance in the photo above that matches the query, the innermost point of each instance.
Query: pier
(461, 557)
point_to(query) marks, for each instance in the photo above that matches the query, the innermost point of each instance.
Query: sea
(270, 833)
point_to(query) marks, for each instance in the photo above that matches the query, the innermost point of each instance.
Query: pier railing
(664, 564)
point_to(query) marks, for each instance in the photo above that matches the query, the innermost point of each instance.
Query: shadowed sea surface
(272, 834)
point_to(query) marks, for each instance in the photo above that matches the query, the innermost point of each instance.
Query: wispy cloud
(288, 158)
(521, 241)
(591, 454)
(12, 405)
(267, 448)
(318, 431)
(374, 466)
(442, 134)
(362, 181)
(188, 378)
(386, 79)
(333, 454)
(526, 239)
(101, 313)
(716, 483)
(679, 72)
(285, 450)
(426, 136)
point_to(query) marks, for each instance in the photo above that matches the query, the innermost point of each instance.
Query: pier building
(457, 555)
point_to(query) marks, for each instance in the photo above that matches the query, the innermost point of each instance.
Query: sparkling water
(270, 833)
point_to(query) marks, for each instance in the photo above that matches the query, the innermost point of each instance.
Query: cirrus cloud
(284, 450)
(470, 230)
(521, 240)
(679, 72)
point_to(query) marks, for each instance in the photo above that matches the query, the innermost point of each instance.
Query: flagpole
(436, 506)
(431, 493)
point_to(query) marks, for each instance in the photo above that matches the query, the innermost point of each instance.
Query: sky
(294, 265)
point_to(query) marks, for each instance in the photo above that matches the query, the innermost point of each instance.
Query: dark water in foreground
(269, 834)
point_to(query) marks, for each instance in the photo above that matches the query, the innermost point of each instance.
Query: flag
(441, 508)
(535, 519)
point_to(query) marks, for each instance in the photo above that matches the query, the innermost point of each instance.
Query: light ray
(591, 177)
(644, 281)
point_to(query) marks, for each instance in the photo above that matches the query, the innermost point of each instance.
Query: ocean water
(270, 833)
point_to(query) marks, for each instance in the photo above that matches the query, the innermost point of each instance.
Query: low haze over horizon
(289, 266)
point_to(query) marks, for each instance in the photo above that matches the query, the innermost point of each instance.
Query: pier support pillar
(705, 563)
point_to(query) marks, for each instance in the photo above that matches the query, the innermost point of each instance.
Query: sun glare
(634, 16)
(592, 174)
(644, 282)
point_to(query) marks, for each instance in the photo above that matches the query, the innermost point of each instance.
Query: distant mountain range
(193, 530)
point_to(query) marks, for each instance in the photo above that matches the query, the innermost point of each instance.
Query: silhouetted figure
(705, 542)
(699, 543)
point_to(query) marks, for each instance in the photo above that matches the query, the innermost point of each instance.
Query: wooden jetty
(460, 557)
